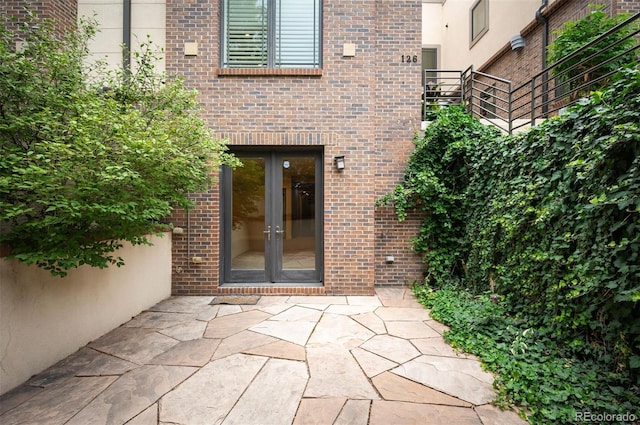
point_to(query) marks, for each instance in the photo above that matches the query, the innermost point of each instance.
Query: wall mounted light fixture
(339, 161)
(517, 42)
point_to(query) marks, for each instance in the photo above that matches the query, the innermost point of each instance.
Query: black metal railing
(488, 97)
(442, 87)
(556, 87)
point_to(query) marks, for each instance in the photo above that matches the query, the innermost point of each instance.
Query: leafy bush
(554, 215)
(546, 234)
(435, 183)
(598, 61)
(91, 158)
(532, 371)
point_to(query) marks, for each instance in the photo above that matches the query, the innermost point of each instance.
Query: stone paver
(59, 403)
(18, 396)
(222, 327)
(226, 310)
(318, 411)
(131, 394)
(437, 326)
(408, 330)
(397, 412)
(402, 314)
(317, 299)
(371, 322)
(335, 373)
(184, 304)
(436, 347)
(295, 332)
(354, 412)
(296, 314)
(462, 378)
(210, 394)
(491, 415)
(390, 347)
(340, 330)
(280, 350)
(186, 331)
(197, 352)
(240, 343)
(397, 388)
(273, 396)
(349, 310)
(65, 368)
(372, 364)
(148, 417)
(159, 320)
(335, 360)
(136, 345)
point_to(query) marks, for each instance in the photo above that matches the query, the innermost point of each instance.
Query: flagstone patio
(298, 360)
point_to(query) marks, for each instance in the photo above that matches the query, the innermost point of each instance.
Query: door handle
(268, 233)
(278, 231)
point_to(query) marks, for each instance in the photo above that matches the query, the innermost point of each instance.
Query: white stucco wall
(432, 26)
(44, 318)
(506, 19)
(148, 17)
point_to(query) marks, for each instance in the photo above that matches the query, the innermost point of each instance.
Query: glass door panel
(297, 243)
(248, 206)
(271, 207)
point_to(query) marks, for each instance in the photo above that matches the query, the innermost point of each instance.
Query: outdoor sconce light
(339, 161)
(517, 42)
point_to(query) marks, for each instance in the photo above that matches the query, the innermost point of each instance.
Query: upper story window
(479, 20)
(271, 34)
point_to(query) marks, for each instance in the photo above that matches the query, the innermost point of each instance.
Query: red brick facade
(365, 107)
(63, 12)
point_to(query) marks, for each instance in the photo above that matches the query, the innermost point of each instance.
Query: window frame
(271, 67)
(485, 5)
(435, 51)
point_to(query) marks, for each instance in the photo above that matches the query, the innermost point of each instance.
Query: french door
(272, 227)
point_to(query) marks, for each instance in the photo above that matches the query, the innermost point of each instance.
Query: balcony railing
(547, 93)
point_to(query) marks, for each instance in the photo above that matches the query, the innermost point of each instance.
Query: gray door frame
(273, 272)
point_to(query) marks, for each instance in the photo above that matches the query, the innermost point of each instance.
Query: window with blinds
(271, 33)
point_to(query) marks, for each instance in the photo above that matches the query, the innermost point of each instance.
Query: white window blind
(246, 33)
(297, 33)
(271, 33)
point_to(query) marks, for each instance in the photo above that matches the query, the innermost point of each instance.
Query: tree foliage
(91, 157)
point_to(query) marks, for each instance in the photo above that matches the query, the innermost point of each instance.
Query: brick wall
(364, 107)
(627, 6)
(399, 91)
(64, 12)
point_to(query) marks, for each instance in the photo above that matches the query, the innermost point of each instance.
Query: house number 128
(409, 59)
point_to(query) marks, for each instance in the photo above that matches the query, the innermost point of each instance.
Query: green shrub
(588, 70)
(91, 158)
(435, 184)
(532, 371)
(541, 231)
(553, 222)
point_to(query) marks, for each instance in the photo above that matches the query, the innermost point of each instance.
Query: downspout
(126, 36)
(545, 42)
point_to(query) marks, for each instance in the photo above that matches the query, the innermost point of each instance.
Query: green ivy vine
(532, 250)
